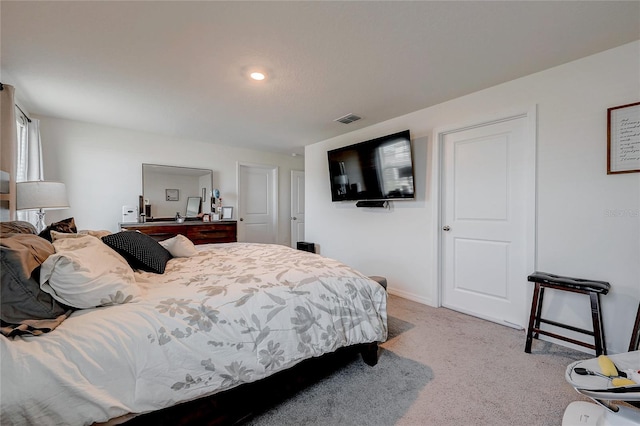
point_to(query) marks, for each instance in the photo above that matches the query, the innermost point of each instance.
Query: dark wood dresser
(197, 231)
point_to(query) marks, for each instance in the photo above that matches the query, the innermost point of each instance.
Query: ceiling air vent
(349, 118)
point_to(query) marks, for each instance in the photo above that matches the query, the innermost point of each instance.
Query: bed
(223, 316)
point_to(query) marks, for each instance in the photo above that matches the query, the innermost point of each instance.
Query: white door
(297, 207)
(486, 211)
(257, 203)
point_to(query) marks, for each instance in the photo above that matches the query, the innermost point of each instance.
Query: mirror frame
(148, 191)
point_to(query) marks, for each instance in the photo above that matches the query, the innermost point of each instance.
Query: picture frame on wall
(172, 194)
(227, 213)
(623, 139)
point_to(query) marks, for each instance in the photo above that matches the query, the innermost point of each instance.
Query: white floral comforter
(235, 313)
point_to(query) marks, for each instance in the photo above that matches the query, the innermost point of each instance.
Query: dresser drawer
(212, 233)
(158, 233)
(198, 232)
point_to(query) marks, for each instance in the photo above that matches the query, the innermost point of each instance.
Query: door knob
(294, 218)
(446, 228)
(241, 219)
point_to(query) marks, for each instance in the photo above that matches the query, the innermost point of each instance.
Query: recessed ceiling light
(257, 76)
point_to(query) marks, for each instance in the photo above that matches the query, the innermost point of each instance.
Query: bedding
(17, 227)
(231, 314)
(23, 307)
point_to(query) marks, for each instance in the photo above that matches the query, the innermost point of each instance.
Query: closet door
(484, 216)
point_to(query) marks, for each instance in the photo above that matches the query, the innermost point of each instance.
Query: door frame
(293, 175)
(274, 200)
(530, 135)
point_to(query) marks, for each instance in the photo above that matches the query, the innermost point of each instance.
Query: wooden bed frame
(231, 407)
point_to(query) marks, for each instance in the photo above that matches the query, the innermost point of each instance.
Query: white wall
(588, 222)
(102, 168)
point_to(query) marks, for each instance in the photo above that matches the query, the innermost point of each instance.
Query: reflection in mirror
(190, 182)
(193, 206)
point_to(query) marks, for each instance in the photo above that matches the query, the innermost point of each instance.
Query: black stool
(576, 285)
(305, 246)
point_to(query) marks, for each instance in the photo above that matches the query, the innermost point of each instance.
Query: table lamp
(41, 196)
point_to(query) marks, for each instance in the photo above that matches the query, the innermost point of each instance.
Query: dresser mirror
(193, 206)
(189, 189)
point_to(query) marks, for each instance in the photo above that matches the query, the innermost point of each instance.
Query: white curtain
(7, 148)
(29, 157)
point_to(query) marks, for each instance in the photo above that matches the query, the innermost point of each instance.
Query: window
(21, 160)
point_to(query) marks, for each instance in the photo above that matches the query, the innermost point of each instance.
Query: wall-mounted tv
(377, 169)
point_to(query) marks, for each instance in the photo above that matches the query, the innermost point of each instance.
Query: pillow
(140, 250)
(84, 273)
(55, 235)
(21, 300)
(179, 246)
(68, 226)
(98, 234)
(17, 227)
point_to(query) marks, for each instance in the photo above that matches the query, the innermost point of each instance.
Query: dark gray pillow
(140, 250)
(20, 296)
(68, 226)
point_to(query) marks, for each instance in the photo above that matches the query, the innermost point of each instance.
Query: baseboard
(487, 318)
(412, 296)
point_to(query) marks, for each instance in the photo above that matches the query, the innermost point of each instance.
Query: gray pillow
(20, 296)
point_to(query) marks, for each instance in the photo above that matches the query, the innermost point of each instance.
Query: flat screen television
(377, 169)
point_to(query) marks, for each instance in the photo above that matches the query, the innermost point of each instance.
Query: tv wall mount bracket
(372, 203)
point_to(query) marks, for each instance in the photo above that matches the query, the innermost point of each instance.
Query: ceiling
(179, 68)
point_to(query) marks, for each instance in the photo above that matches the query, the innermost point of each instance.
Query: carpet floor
(439, 367)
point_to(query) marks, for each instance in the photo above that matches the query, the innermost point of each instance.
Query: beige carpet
(481, 375)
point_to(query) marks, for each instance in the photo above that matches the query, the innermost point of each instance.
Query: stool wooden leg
(634, 343)
(598, 328)
(532, 317)
(536, 335)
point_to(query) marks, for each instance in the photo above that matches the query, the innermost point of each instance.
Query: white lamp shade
(35, 195)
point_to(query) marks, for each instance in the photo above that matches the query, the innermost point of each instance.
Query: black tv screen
(377, 169)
